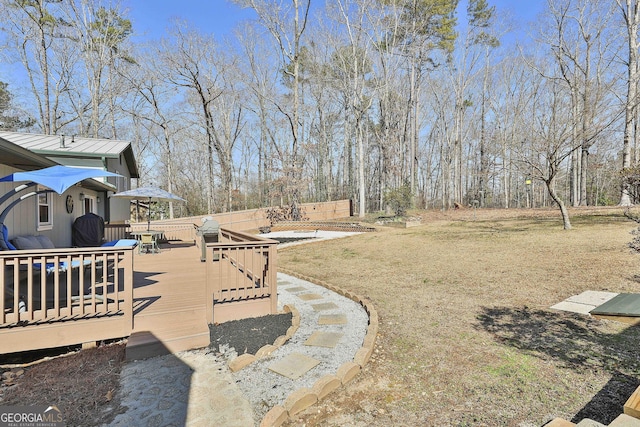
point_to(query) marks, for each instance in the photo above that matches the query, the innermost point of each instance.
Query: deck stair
(623, 420)
(177, 334)
(630, 417)
(169, 314)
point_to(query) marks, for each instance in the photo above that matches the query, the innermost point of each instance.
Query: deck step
(588, 422)
(168, 332)
(171, 319)
(632, 406)
(624, 420)
(143, 345)
(559, 422)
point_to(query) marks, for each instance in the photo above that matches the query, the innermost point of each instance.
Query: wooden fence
(256, 218)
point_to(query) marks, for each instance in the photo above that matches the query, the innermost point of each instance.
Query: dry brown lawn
(466, 334)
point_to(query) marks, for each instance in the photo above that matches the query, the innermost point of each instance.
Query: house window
(89, 204)
(121, 183)
(44, 211)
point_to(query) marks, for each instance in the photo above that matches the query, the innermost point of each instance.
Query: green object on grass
(620, 305)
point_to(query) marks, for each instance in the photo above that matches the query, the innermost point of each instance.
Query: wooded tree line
(315, 101)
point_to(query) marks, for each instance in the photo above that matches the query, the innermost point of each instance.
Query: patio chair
(148, 243)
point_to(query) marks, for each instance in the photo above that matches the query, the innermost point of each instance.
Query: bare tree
(549, 145)
(582, 45)
(101, 34)
(187, 64)
(154, 107)
(32, 30)
(287, 24)
(630, 10)
(261, 80)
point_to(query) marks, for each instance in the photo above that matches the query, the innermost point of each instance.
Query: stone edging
(305, 397)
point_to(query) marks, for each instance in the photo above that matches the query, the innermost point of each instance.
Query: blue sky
(151, 18)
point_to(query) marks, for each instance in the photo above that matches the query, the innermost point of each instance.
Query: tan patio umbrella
(149, 194)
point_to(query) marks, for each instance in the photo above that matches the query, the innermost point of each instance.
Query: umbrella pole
(149, 215)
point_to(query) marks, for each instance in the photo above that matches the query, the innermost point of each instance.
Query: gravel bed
(248, 335)
(266, 389)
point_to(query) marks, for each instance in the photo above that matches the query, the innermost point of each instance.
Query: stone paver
(332, 319)
(294, 365)
(309, 297)
(324, 306)
(196, 388)
(323, 339)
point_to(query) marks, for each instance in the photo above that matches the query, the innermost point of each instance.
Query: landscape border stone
(327, 384)
(302, 399)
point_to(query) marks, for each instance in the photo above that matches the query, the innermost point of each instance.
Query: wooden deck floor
(169, 299)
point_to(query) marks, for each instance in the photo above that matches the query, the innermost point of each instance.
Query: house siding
(119, 210)
(22, 219)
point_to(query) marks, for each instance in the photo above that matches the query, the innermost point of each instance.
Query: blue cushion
(5, 237)
(122, 242)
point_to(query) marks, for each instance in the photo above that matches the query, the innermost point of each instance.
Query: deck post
(209, 279)
(128, 287)
(272, 266)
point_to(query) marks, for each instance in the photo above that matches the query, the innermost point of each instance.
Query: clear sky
(151, 18)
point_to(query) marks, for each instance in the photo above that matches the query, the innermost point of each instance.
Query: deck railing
(241, 267)
(58, 297)
(185, 232)
(116, 231)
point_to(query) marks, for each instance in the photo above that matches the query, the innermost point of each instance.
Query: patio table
(156, 235)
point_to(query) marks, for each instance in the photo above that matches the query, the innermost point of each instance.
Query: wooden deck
(163, 302)
(168, 294)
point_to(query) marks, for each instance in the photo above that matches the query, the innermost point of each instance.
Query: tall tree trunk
(551, 187)
(631, 16)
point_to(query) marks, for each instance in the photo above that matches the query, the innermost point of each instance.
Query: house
(51, 214)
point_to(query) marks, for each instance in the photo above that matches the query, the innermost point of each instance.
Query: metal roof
(18, 157)
(21, 158)
(74, 146)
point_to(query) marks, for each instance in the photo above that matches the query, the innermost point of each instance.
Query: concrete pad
(325, 306)
(284, 283)
(309, 297)
(573, 307)
(584, 302)
(296, 289)
(294, 365)
(592, 297)
(323, 339)
(332, 319)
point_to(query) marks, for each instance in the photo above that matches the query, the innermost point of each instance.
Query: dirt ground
(466, 334)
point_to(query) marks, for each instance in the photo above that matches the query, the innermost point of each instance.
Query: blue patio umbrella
(149, 194)
(58, 178)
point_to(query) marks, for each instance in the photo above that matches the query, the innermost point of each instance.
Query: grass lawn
(466, 334)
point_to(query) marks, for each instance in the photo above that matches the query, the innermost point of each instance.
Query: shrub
(399, 199)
